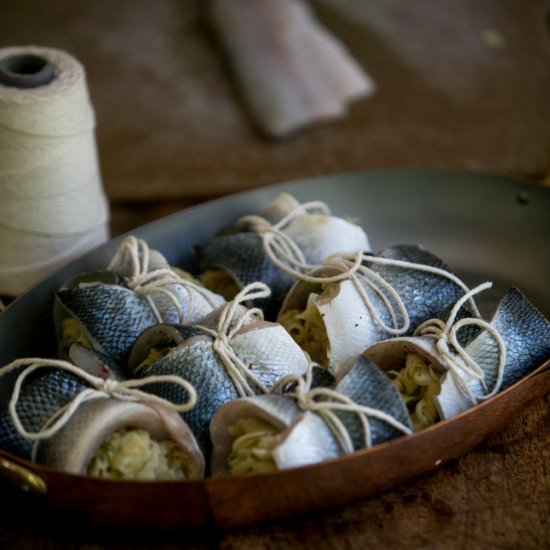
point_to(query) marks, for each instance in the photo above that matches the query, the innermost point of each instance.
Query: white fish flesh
(172, 294)
(344, 323)
(299, 438)
(72, 448)
(525, 336)
(293, 72)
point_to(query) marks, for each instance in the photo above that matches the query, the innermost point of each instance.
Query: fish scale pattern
(200, 365)
(38, 401)
(425, 295)
(112, 315)
(367, 385)
(243, 256)
(525, 333)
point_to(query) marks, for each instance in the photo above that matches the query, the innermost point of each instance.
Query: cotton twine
(52, 204)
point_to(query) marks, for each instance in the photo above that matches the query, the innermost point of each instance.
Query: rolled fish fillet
(175, 295)
(312, 227)
(423, 373)
(367, 385)
(334, 324)
(266, 433)
(292, 71)
(115, 439)
(265, 350)
(38, 401)
(100, 312)
(234, 259)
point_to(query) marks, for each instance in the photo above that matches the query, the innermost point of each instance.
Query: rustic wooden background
(172, 132)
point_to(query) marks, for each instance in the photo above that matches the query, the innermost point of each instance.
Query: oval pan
(447, 212)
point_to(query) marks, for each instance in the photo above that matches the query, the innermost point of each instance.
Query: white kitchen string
(52, 203)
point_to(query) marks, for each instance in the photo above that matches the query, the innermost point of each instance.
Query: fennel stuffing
(72, 333)
(308, 330)
(131, 454)
(219, 281)
(252, 446)
(418, 384)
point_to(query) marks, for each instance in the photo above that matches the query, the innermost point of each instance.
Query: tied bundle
(53, 206)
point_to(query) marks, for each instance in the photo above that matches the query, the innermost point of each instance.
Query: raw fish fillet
(293, 72)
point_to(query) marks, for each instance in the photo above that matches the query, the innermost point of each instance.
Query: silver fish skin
(72, 448)
(265, 348)
(192, 303)
(111, 316)
(269, 351)
(526, 335)
(196, 361)
(277, 410)
(425, 295)
(366, 384)
(242, 255)
(39, 399)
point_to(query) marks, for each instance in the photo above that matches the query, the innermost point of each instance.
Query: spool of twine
(52, 203)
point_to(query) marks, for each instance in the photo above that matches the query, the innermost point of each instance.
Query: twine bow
(229, 323)
(279, 247)
(327, 402)
(286, 254)
(148, 282)
(459, 363)
(123, 390)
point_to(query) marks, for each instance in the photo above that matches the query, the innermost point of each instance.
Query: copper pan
(486, 227)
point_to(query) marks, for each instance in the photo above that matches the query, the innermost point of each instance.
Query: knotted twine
(461, 366)
(148, 281)
(231, 320)
(287, 256)
(326, 402)
(127, 390)
(53, 206)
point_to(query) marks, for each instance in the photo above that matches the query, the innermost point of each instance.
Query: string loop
(127, 390)
(327, 403)
(459, 363)
(229, 323)
(149, 282)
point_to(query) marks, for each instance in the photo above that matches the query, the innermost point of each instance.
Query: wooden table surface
(172, 132)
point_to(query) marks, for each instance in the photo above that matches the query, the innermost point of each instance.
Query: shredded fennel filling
(418, 384)
(71, 333)
(185, 275)
(154, 355)
(219, 281)
(131, 454)
(308, 330)
(252, 446)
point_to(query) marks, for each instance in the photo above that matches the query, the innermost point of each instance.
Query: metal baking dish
(486, 227)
